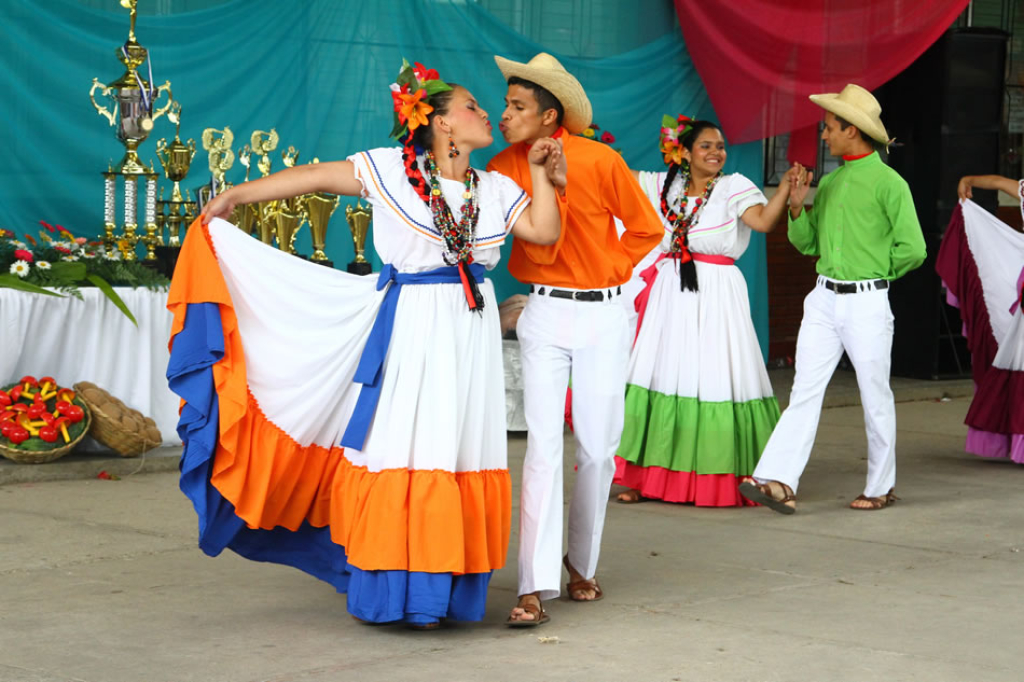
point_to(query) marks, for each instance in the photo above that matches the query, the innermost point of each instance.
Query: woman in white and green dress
(699, 405)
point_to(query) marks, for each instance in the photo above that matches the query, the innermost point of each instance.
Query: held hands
(799, 182)
(547, 152)
(220, 206)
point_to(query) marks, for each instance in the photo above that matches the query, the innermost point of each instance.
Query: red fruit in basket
(48, 380)
(5, 399)
(19, 407)
(6, 428)
(15, 393)
(63, 406)
(48, 434)
(48, 418)
(18, 435)
(36, 411)
(28, 379)
(7, 414)
(75, 414)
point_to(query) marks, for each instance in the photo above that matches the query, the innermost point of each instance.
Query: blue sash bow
(370, 370)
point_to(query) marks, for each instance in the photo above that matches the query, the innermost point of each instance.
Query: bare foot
(630, 497)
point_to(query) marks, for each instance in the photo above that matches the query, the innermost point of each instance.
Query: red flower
(63, 249)
(423, 74)
(47, 225)
(22, 254)
(607, 137)
(30, 239)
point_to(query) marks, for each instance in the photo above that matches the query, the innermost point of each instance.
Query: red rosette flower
(22, 254)
(48, 226)
(607, 137)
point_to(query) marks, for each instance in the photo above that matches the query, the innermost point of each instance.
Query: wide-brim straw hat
(859, 107)
(547, 72)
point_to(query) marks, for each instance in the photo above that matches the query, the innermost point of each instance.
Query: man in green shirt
(864, 230)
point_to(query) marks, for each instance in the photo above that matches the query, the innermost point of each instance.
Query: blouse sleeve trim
(389, 200)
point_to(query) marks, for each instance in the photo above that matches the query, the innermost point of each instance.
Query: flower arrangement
(37, 416)
(592, 131)
(672, 131)
(58, 263)
(409, 93)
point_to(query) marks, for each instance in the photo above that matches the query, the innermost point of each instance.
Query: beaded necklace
(679, 219)
(459, 237)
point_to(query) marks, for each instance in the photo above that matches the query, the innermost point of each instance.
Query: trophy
(262, 143)
(133, 102)
(176, 158)
(359, 223)
(287, 221)
(320, 206)
(220, 158)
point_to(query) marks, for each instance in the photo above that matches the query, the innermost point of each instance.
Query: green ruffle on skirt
(687, 434)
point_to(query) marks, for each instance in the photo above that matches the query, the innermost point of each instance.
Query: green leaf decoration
(435, 86)
(668, 122)
(68, 270)
(108, 290)
(15, 282)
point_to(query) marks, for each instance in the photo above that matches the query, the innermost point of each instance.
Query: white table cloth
(91, 340)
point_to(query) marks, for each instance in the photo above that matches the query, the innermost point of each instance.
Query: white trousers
(861, 323)
(589, 340)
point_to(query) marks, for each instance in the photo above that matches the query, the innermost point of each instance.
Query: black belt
(577, 295)
(856, 287)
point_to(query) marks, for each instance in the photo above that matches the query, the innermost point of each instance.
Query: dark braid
(423, 138)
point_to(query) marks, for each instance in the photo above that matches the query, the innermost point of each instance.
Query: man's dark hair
(545, 100)
(844, 124)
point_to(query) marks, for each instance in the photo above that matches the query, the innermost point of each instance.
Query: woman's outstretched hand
(221, 206)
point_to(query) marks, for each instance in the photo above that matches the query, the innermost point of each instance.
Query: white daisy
(112, 255)
(43, 265)
(20, 268)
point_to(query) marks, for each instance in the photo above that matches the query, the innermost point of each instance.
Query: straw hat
(545, 71)
(859, 107)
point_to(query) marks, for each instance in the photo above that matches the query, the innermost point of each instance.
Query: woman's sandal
(773, 494)
(630, 497)
(534, 607)
(582, 585)
(876, 502)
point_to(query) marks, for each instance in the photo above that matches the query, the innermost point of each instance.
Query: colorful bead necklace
(679, 219)
(460, 237)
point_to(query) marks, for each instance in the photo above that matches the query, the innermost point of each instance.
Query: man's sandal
(534, 607)
(773, 494)
(574, 587)
(876, 502)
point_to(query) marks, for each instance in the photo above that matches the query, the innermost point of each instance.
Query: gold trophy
(359, 223)
(133, 102)
(176, 159)
(287, 220)
(320, 206)
(262, 143)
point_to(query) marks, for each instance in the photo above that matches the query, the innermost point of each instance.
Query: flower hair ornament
(672, 132)
(410, 94)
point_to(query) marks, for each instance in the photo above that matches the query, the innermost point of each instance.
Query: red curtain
(760, 59)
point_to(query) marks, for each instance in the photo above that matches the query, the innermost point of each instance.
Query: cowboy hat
(545, 71)
(857, 106)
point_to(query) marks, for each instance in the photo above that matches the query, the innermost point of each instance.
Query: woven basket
(110, 431)
(42, 457)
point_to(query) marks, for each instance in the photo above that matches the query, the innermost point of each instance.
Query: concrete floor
(101, 581)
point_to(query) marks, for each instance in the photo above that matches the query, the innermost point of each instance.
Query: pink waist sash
(651, 273)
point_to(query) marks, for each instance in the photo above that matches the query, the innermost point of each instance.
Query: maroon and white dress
(981, 263)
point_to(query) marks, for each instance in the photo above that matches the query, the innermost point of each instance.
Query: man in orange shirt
(572, 325)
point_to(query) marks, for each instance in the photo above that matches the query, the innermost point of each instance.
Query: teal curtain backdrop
(318, 71)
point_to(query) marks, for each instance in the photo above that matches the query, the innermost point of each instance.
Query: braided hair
(423, 138)
(687, 269)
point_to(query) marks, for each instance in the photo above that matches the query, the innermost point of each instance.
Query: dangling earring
(453, 151)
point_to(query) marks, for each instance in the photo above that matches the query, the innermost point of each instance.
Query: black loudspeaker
(945, 111)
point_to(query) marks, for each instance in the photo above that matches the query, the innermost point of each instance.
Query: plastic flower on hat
(410, 95)
(43, 265)
(23, 255)
(20, 268)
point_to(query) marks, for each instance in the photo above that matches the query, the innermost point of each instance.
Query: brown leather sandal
(882, 502)
(773, 494)
(534, 608)
(582, 585)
